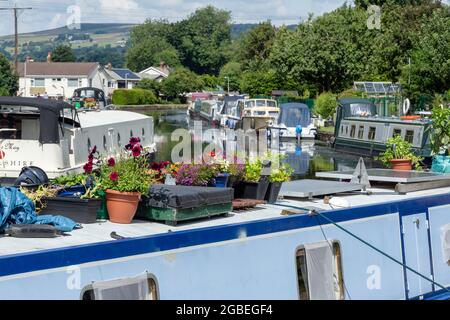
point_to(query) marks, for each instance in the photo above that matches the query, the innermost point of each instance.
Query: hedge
(125, 97)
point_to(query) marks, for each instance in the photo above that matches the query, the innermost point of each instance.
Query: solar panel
(125, 73)
(385, 88)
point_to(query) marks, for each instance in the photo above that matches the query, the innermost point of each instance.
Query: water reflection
(305, 158)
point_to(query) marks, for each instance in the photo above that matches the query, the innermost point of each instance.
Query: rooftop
(57, 68)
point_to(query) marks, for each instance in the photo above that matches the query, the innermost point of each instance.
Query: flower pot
(273, 191)
(222, 180)
(255, 190)
(79, 210)
(122, 206)
(401, 164)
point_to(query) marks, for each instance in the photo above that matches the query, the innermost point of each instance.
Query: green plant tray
(171, 216)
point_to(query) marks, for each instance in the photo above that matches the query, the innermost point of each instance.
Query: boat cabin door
(416, 254)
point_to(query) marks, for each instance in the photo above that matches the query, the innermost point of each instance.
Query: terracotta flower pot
(122, 206)
(401, 164)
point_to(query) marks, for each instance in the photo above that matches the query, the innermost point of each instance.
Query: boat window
(319, 271)
(361, 132)
(372, 132)
(131, 134)
(346, 130)
(119, 143)
(342, 129)
(105, 144)
(143, 133)
(352, 131)
(142, 287)
(89, 145)
(396, 132)
(11, 128)
(409, 136)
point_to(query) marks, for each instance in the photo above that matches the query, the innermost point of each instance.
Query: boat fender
(337, 202)
(406, 106)
(32, 231)
(298, 130)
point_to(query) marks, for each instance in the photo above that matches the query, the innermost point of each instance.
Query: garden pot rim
(112, 191)
(401, 160)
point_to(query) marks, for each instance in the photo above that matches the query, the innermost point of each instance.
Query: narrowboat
(57, 137)
(295, 121)
(373, 247)
(359, 129)
(250, 114)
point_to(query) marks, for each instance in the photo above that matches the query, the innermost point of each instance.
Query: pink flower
(111, 162)
(114, 176)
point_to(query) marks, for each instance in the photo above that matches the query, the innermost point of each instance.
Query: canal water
(306, 158)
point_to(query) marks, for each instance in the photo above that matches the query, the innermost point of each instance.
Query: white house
(58, 79)
(119, 78)
(156, 73)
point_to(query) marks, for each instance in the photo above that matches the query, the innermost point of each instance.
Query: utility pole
(16, 32)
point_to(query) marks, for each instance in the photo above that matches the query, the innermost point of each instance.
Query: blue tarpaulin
(16, 208)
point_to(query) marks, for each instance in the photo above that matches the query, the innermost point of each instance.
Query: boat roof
(389, 119)
(347, 101)
(40, 103)
(293, 105)
(100, 232)
(105, 117)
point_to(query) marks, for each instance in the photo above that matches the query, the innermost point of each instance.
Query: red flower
(114, 176)
(212, 154)
(134, 140)
(88, 167)
(111, 162)
(136, 151)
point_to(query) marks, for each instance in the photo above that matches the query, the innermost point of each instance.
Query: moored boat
(56, 137)
(359, 129)
(295, 121)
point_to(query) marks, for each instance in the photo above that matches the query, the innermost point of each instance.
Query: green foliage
(253, 170)
(325, 105)
(209, 82)
(257, 83)
(63, 53)
(71, 180)
(132, 175)
(133, 97)
(255, 46)
(149, 84)
(200, 42)
(233, 71)
(279, 170)
(440, 129)
(8, 78)
(179, 82)
(397, 148)
(150, 52)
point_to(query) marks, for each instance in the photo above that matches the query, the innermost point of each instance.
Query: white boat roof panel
(105, 117)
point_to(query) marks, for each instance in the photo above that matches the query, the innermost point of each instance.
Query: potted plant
(254, 187)
(124, 180)
(440, 137)
(399, 155)
(277, 176)
(200, 175)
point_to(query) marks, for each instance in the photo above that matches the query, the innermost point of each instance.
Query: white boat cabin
(55, 137)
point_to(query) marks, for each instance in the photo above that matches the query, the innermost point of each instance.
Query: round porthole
(89, 145)
(119, 143)
(105, 145)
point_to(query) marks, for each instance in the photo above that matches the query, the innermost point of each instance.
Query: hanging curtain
(320, 266)
(133, 288)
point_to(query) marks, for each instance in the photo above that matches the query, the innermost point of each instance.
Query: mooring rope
(313, 213)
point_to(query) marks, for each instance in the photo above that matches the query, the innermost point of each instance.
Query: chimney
(164, 67)
(28, 59)
(109, 66)
(49, 57)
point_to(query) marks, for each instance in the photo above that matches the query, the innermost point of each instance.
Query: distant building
(281, 93)
(57, 79)
(120, 78)
(156, 73)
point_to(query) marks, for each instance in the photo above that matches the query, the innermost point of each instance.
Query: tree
(201, 39)
(257, 83)
(255, 46)
(150, 52)
(151, 85)
(179, 82)
(230, 73)
(8, 78)
(325, 105)
(63, 53)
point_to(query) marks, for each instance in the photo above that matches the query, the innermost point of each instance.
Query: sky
(48, 14)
